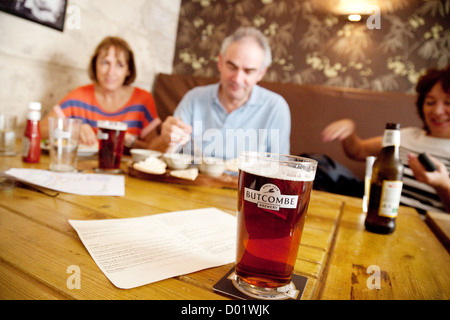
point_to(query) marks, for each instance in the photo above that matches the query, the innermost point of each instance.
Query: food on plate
(177, 161)
(151, 165)
(87, 147)
(232, 165)
(212, 166)
(142, 154)
(188, 174)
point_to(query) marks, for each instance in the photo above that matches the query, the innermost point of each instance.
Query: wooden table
(440, 224)
(37, 245)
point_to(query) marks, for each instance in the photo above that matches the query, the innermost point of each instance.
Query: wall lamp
(354, 17)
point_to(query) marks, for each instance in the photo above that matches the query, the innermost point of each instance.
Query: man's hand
(174, 131)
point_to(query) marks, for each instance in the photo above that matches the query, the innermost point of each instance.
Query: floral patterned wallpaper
(313, 44)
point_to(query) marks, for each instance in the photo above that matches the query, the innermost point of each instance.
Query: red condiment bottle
(31, 141)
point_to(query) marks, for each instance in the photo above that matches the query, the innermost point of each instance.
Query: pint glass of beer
(111, 136)
(274, 192)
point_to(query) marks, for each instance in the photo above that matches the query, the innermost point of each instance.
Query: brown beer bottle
(386, 184)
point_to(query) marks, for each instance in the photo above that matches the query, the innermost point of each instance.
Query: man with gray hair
(235, 114)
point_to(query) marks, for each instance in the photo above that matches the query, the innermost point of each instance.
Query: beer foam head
(112, 125)
(278, 167)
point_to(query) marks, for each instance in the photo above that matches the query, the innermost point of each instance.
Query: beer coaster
(227, 286)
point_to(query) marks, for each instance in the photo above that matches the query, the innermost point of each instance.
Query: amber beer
(271, 214)
(111, 136)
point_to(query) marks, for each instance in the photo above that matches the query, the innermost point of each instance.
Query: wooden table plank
(21, 286)
(412, 264)
(439, 223)
(33, 242)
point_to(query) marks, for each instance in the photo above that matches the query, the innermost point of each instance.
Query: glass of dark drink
(273, 198)
(111, 135)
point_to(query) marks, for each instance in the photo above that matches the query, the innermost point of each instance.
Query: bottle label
(391, 138)
(390, 198)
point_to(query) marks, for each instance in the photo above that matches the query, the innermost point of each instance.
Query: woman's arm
(354, 147)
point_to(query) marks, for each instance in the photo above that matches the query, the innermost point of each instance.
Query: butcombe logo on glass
(270, 197)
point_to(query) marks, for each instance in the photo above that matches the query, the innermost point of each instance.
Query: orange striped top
(139, 113)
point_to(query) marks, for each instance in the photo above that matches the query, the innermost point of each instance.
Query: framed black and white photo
(50, 13)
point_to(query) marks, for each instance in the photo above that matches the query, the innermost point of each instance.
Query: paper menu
(76, 183)
(133, 252)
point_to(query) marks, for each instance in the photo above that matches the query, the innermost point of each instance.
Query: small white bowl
(212, 166)
(142, 154)
(177, 161)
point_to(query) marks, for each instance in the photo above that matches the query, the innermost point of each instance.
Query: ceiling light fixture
(354, 17)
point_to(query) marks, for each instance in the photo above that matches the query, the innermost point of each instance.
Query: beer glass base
(111, 171)
(279, 293)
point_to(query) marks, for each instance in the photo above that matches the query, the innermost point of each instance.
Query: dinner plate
(83, 149)
(86, 150)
